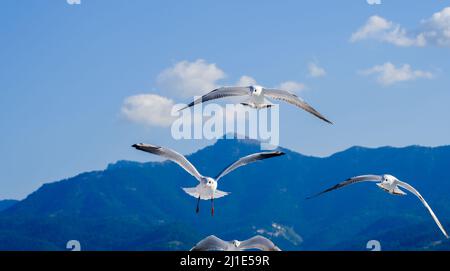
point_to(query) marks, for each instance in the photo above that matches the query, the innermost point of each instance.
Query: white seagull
(389, 184)
(214, 243)
(207, 187)
(256, 98)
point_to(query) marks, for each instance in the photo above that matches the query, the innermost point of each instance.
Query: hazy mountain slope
(5, 204)
(139, 206)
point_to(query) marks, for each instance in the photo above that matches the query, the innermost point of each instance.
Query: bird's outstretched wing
(247, 160)
(259, 242)
(362, 178)
(171, 155)
(291, 98)
(211, 243)
(415, 192)
(220, 93)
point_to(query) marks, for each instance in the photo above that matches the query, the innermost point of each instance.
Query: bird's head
(256, 90)
(387, 183)
(236, 243)
(388, 179)
(210, 182)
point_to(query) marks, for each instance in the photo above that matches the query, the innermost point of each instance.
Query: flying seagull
(256, 98)
(207, 187)
(389, 184)
(214, 243)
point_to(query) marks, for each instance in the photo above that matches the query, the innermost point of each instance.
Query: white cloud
(73, 2)
(374, 2)
(292, 86)
(183, 81)
(188, 79)
(245, 81)
(374, 25)
(315, 70)
(148, 109)
(437, 28)
(380, 29)
(388, 74)
(434, 30)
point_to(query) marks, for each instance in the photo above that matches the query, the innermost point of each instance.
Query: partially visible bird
(389, 184)
(207, 187)
(214, 243)
(256, 98)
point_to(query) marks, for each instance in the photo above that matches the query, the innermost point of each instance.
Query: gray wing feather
(291, 98)
(211, 243)
(171, 155)
(247, 160)
(259, 242)
(415, 192)
(357, 179)
(220, 93)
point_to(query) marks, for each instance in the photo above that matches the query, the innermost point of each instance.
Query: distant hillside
(5, 204)
(140, 206)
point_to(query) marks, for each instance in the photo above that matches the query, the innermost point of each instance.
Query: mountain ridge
(132, 205)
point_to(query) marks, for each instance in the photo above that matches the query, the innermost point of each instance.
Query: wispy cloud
(434, 30)
(374, 2)
(292, 86)
(437, 28)
(246, 81)
(182, 81)
(315, 70)
(73, 2)
(187, 79)
(149, 110)
(380, 29)
(388, 74)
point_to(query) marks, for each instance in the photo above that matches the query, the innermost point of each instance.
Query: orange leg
(198, 205)
(212, 206)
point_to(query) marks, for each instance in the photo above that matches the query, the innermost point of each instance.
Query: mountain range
(140, 206)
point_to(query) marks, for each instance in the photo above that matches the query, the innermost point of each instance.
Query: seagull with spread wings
(256, 98)
(389, 184)
(207, 187)
(213, 243)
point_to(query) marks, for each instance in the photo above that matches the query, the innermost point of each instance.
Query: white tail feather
(193, 192)
(220, 194)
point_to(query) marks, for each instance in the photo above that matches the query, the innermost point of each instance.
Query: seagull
(207, 187)
(389, 184)
(256, 98)
(214, 243)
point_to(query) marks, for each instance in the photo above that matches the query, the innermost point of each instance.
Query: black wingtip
(187, 106)
(311, 197)
(136, 146)
(316, 195)
(274, 154)
(328, 121)
(181, 109)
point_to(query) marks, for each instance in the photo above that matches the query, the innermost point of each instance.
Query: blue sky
(66, 70)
